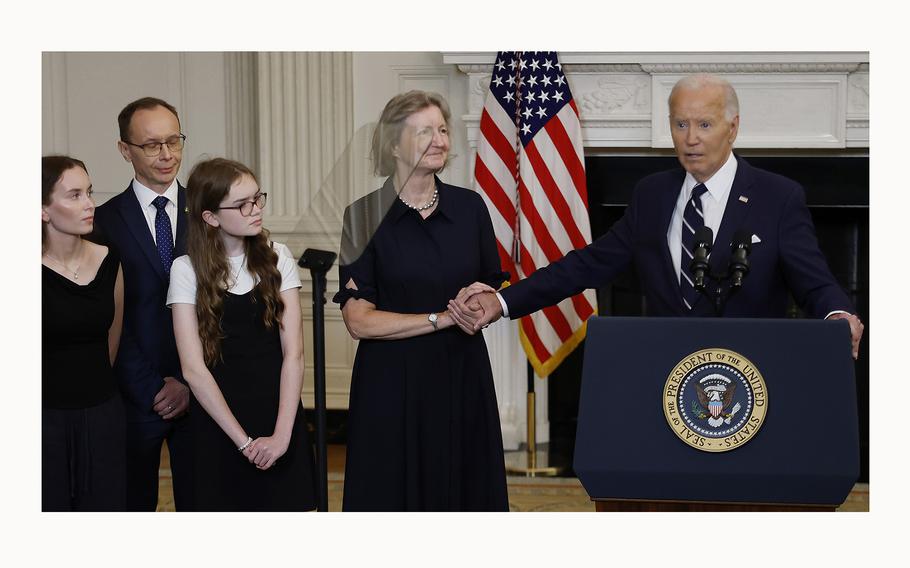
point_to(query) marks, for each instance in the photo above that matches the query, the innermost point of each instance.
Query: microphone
(701, 248)
(739, 260)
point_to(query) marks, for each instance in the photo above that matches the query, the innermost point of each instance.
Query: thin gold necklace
(61, 263)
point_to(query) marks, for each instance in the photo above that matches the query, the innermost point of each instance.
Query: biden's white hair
(702, 80)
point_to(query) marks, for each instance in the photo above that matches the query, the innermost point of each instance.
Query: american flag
(530, 171)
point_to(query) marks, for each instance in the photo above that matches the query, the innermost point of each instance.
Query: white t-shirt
(183, 278)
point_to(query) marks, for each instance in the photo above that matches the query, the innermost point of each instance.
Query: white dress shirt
(146, 196)
(713, 204)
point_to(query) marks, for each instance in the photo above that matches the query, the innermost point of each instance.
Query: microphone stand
(720, 299)
(319, 262)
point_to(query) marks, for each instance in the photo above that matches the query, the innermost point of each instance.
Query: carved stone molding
(601, 68)
(472, 69)
(624, 122)
(617, 94)
(858, 93)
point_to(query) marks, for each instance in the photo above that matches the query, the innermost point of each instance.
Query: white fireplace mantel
(809, 100)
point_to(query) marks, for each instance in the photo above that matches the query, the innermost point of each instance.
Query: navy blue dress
(423, 424)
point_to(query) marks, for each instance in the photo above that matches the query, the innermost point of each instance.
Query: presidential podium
(707, 414)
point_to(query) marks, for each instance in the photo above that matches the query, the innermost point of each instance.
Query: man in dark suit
(146, 224)
(715, 188)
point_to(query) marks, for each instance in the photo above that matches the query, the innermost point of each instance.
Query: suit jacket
(148, 351)
(768, 205)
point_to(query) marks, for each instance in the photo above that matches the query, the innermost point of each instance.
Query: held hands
(172, 400)
(856, 329)
(475, 307)
(264, 452)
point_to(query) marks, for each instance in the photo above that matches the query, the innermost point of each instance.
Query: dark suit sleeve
(590, 267)
(805, 269)
(138, 379)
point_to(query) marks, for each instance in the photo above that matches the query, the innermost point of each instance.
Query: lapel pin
(744, 199)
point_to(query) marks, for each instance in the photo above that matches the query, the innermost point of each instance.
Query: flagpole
(532, 462)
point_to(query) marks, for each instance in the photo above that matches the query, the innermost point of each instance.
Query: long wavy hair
(209, 184)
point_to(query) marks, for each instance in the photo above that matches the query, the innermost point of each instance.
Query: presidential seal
(715, 400)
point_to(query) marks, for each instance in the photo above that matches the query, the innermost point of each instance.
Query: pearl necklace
(78, 266)
(429, 204)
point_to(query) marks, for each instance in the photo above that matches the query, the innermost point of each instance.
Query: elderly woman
(423, 427)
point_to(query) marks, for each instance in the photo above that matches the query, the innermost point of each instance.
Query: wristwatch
(434, 321)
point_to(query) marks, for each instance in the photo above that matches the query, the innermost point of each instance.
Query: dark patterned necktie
(693, 220)
(163, 235)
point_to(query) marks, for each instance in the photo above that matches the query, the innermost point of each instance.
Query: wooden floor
(541, 494)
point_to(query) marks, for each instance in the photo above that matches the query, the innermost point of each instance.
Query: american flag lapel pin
(744, 199)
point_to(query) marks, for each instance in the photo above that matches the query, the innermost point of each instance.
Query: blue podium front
(718, 410)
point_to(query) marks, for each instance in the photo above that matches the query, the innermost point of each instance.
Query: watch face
(433, 317)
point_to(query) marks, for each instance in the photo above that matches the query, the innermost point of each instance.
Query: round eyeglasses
(153, 149)
(246, 208)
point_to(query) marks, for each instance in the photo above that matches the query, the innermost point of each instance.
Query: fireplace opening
(837, 193)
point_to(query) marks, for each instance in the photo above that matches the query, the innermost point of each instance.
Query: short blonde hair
(391, 123)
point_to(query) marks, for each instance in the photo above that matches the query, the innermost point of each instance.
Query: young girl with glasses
(236, 310)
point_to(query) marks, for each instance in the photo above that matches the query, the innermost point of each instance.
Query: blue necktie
(163, 236)
(693, 220)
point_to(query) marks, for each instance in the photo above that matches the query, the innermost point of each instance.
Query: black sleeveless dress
(249, 377)
(83, 425)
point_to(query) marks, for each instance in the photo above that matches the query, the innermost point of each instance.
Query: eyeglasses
(246, 208)
(152, 149)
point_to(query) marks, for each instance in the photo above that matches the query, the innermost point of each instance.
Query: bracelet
(246, 444)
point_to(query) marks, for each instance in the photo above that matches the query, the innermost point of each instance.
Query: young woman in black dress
(236, 312)
(423, 423)
(83, 425)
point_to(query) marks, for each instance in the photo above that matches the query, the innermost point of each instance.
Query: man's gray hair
(701, 80)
